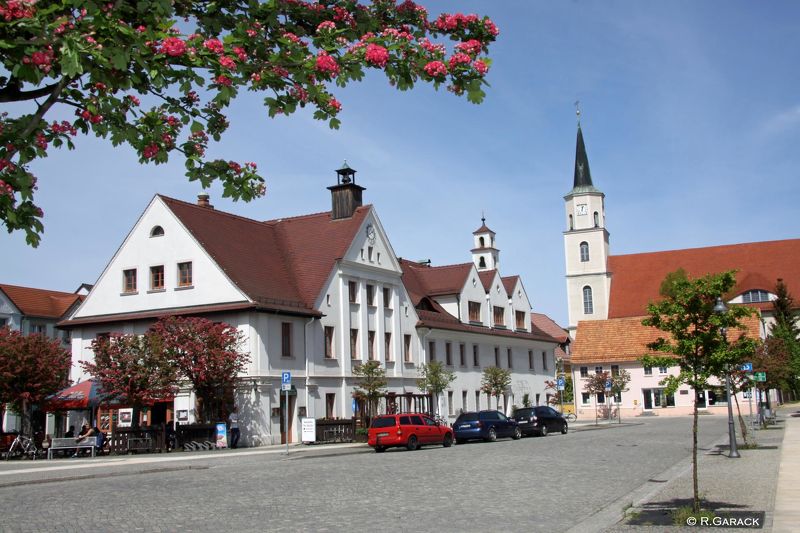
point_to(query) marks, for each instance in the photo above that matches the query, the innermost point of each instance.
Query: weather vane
(578, 110)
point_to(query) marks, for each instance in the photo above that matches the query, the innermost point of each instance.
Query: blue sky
(691, 116)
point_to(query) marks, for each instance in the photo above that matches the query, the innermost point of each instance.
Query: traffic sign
(747, 367)
(747, 394)
(759, 376)
(561, 383)
(608, 384)
(286, 387)
(286, 377)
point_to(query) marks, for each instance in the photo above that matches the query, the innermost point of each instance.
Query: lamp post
(721, 309)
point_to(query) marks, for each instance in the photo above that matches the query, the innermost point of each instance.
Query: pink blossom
(227, 62)
(134, 100)
(150, 151)
(173, 46)
(480, 66)
(240, 53)
(41, 141)
(214, 45)
(471, 47)
(335, 105)
(459, 59)
(376, 55)
(326, 25)
(327, 64)
(491, 28)
(223, 80)
(435, 69)
(17, 9)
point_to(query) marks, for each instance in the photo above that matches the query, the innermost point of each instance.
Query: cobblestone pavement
(536, 484)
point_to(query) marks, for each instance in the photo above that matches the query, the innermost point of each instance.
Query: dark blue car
(486, 425)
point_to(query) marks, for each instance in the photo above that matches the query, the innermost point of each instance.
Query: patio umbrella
(84, 395)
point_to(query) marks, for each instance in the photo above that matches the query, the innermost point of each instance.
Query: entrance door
(648, 398)
(701, 399)
(284, 433)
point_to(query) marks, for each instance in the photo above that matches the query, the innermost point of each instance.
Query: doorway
(284, 433)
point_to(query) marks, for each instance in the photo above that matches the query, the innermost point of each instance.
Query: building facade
(316, 295)
(608, 296)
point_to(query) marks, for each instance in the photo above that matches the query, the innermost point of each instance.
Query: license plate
(464, 426)
(383, 434)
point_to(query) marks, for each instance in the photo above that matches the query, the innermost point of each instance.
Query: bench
(70, 444)
(138, 444)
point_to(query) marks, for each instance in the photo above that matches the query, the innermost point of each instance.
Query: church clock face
(581, 209)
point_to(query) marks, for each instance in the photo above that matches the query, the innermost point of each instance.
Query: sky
(690, 113)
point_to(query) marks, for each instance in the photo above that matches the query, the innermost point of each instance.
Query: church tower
(485, 255)
(586, 245)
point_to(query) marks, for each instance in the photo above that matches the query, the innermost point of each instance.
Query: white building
(315, 295)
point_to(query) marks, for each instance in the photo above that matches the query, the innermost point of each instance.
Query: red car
(411, 430)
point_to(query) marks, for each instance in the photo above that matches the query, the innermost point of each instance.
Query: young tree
(619, 384)
(371, 383)
(594, 385)
(786, 329)
(434, 379)
(133, 369)
(694, 339)
(495, 381)
(157, 75)
(559, 397)
(208, 355)
(31, 368)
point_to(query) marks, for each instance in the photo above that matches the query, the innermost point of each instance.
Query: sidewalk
(764, 479)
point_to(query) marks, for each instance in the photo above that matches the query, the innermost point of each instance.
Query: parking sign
(286, 377)
(561, 383)
(608, 384)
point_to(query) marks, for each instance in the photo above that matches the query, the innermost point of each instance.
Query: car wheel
(447, 441)
(564, 429)
(543, 431)
(492, 435)
(380, 449)
(411, 445)
(517, 434)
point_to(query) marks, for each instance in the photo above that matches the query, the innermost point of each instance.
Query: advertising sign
(125, 417)
(222, 435)
(309, 429)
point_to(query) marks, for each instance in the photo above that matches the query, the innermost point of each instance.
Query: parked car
(411, 430)
(486, 425)
(540, 420)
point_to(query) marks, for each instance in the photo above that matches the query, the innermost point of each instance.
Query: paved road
(536, 484)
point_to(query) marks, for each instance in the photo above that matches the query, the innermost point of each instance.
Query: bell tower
(485, 255)
(585, 244)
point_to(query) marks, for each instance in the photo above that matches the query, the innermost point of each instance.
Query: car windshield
(523, 412)
(383, 422)
(468, 417)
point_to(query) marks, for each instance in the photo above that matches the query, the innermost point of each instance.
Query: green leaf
(70, 62)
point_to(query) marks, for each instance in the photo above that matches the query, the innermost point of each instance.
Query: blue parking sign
(286, 377)
(608, 384)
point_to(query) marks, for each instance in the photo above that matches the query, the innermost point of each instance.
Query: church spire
(583, 177)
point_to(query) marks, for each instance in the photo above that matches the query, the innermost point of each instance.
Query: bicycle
(22, 445)
(570, 417)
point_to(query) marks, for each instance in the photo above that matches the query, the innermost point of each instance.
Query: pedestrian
(233, 420)
(70, 434)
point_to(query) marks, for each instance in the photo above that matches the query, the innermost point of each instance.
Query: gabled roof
(510, 282)
(421, 280)
(487, 277)
(283, 262)
(549, 326)
(441, 319)
(626, 339)
(40, 303)
(636, 278)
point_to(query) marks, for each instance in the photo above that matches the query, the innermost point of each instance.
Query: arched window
(482, 262)
(584, 252)
(571, 225)
(588, 306)
(157, 231)
(754, 296)
(596, 220)
(480, 239)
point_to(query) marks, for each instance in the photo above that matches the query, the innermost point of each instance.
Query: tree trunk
(741, 420)
(695, 494)
(2, 415)
(25, 414)
(137, 410)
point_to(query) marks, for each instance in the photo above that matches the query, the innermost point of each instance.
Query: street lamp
(721, 309)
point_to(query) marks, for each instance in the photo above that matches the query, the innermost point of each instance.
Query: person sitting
(70, 433)
(86, 431)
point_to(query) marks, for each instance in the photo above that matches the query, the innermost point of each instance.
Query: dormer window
(157, 231)
(755, 296)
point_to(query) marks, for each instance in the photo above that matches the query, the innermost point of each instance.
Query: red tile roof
(487, 276)
(444, 320)
(625, 339)
(549, 326)
(278, 263)
(636, 278)
(40, 302)
(421, 280)
(509, 282)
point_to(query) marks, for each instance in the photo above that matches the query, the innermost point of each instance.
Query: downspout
(305, 350)
(425, 356)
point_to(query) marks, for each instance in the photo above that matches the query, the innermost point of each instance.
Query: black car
(486, 425)
(540, 420)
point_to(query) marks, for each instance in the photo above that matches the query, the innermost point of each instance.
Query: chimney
(345, 195)
(202, 201)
